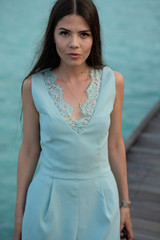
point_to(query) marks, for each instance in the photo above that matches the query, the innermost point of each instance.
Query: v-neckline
(60, 115)
(55, 76)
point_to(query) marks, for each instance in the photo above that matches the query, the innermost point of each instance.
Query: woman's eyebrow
(65, 29)
(85, 31)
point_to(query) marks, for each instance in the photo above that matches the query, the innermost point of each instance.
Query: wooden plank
(146, 150)
(142, 195)
(146, 210)
(149, 228)
(138, 235)
(142, 187)
(151, 136)
(143, 158)
(141, 169)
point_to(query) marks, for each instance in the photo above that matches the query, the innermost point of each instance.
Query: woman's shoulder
(27, 92)
(118, 79)
(118, 76)
(119, 82)
(26, 86)
(34, 77)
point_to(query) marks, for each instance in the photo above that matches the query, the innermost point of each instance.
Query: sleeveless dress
(74, 195)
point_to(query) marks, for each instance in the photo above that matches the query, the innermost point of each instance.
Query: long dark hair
(49, 57)
(62, 8)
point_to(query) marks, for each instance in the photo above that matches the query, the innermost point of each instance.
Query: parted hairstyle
(48, 57)
(85, 8)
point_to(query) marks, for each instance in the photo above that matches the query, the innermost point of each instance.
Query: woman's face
(73, 39)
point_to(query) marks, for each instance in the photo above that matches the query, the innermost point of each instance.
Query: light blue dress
(74, 195)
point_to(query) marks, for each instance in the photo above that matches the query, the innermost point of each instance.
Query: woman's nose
(74, 43)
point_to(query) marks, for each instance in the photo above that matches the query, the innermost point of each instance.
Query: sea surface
(131, 45)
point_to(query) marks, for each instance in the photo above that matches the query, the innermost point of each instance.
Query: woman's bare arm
(30, 148)
(117, 155)
(116, 147)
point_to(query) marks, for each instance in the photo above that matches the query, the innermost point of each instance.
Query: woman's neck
(71, 73)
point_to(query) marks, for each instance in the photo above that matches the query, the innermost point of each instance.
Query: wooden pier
(143, 166)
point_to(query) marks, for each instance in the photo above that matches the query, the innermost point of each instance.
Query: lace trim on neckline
(64, 108)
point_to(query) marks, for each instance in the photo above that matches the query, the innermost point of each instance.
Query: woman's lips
(74, 55)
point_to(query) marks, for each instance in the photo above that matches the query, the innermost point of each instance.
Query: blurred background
(131, 45)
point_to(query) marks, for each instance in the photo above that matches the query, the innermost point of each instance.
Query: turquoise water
(131, 45)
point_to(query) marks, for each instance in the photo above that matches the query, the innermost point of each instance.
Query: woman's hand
(126, 220)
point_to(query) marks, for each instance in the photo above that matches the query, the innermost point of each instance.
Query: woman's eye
(64, 33)
(84, 35)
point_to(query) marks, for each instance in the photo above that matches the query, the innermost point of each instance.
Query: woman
(72, 107)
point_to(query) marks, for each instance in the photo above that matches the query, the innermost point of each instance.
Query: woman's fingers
(129, 230)
(121, 225)
(124, 215)
(126, 221)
